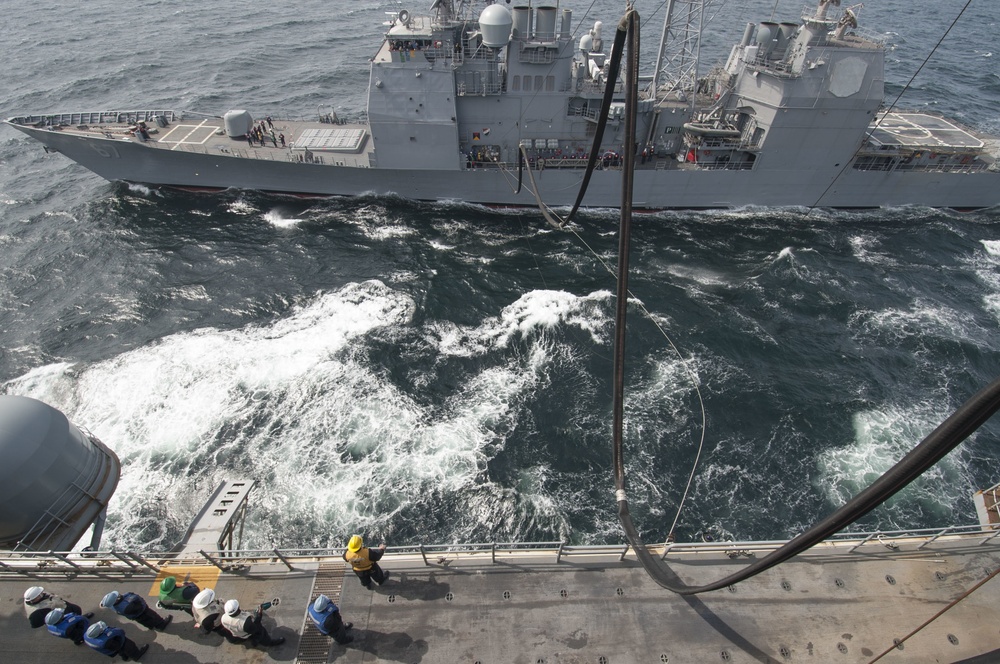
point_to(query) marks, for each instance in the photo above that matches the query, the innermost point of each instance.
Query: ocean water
(441, 373)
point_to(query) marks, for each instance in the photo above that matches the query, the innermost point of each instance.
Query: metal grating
(314, 646)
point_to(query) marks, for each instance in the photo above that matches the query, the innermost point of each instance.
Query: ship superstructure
(794, 116)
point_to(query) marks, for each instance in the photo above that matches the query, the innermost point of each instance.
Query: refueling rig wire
(969, 417)
(948, 435)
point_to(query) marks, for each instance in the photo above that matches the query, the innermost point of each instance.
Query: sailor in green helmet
(177, 598)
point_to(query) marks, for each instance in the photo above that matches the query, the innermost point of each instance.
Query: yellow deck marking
(204, 576)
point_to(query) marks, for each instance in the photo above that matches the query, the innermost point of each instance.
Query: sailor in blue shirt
(326, 616)
(67, 625)
(134, 607)
(111, 641)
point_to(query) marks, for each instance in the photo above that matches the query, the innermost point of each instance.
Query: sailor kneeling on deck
(244, 626)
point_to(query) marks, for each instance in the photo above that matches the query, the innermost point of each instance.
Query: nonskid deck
(842, 601)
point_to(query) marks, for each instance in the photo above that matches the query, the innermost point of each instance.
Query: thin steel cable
(891, 106)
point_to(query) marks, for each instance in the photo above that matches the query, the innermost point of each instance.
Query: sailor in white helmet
(207, 611)
(38, 603)
(245, 626)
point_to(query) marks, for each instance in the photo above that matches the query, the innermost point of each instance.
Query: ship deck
(324, 142)
(920, 130)
(839, 602)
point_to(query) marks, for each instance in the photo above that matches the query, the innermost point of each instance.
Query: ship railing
(93, 117)
(863, 38)
(131, 562)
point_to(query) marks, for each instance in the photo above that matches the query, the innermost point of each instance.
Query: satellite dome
(495, 23)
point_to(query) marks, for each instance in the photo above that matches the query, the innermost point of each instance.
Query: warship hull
(272, 170)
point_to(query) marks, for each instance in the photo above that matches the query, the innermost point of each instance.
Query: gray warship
(464, 100)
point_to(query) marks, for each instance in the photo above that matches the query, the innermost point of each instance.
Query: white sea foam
(923, 319)
(881, 438)
(334, 444)
(277, 218)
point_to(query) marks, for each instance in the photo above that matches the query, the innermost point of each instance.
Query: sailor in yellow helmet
(364, 561)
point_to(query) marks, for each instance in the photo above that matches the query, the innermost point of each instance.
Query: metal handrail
(77, 562)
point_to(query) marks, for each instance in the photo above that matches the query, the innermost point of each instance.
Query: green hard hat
(168, 584)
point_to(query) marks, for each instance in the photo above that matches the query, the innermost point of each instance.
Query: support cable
(937, 615)
(895, 101)
(969, 417)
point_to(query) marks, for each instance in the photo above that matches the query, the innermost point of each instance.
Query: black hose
(614, 65)
(969, 417)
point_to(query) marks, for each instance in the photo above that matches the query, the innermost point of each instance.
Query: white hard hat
(321, 603)
(33, 593)
(204, 598)
(110, 599)
(97, 629)
(232, 607)
(53, 617)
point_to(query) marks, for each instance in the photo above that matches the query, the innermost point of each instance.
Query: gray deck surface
(827, 606)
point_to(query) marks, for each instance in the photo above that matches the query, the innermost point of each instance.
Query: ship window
(550, 83)
(527, 83)
(538, 82)
(515, 83)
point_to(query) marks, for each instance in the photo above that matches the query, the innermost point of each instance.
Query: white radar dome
(495, 23)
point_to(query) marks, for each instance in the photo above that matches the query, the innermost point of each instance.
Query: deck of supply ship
(842, 601)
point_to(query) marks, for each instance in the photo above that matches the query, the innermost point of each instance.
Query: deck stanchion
(423, 554)
(284, 560)
(212, 560)
(136, 557)
(12, 568)
(66, 560)
(123, 559)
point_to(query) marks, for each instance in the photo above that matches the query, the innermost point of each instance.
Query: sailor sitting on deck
(177, 598)
(67, 625)
(207, 610)
(134, 607)
(111, 641)
(244, 626)
(326, 616)
(38, 604)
